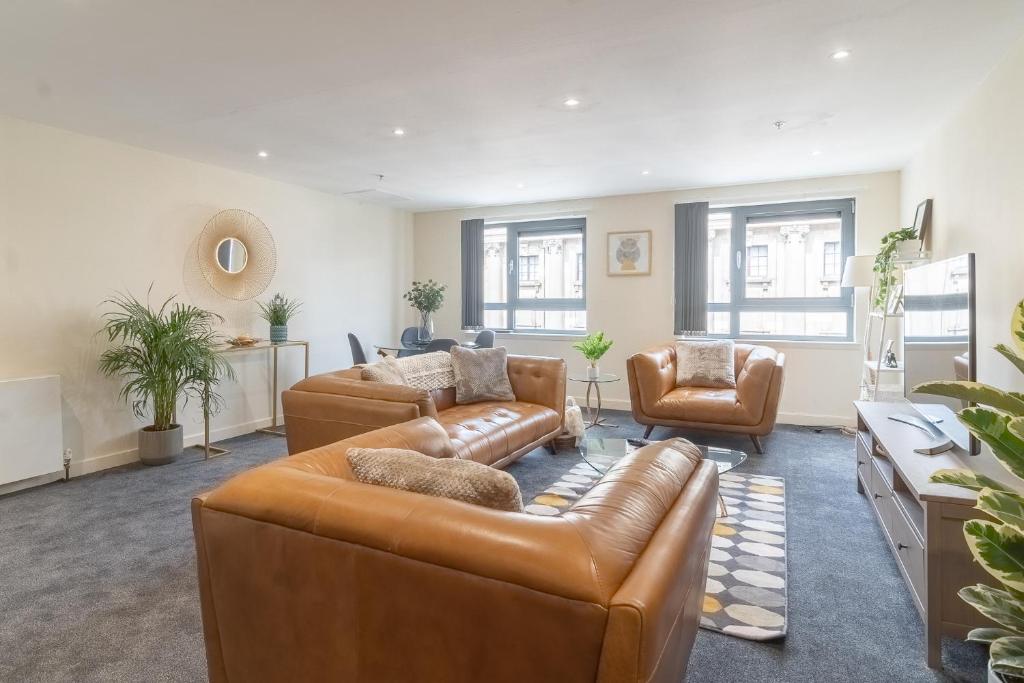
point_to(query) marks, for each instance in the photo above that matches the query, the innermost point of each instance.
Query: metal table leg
(597, 419)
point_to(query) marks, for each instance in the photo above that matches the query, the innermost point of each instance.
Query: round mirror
(231, 255)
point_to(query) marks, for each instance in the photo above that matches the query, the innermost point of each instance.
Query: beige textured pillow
(428, 371)
(481, 375)
(464, 480)
(706, 363)
(385, 372)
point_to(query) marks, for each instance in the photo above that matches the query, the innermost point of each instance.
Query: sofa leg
(757, 444)
(552, 448)
(647, 432)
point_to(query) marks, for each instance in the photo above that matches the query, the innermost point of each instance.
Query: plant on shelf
(997, 544)
(278, 311)
(593, 346)
(162, 355)
(885, 263)
(427, 298)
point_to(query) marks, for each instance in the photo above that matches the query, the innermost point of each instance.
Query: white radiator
(31, 436)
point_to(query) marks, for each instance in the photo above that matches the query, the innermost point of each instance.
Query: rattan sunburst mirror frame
(261, 254)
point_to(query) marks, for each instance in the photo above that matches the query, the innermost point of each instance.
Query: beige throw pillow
(428, 371)
(481, 375)
(464, 480)
(385, 372)
(706, 363)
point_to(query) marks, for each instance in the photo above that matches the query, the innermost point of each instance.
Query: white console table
(921, 521)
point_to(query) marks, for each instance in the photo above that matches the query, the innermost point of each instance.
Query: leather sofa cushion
(488, 431)
(463, 480)
(710, 406)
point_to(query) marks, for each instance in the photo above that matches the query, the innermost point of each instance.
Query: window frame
(740, 303)
(513, 302)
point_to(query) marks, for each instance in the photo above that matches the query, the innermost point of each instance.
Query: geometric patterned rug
(746, 587)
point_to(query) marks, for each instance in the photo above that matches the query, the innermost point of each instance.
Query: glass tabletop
(416, 346)
(603, 378)
(726, 458)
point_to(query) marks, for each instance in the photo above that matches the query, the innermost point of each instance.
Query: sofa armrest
(538, 380)
(651, 375)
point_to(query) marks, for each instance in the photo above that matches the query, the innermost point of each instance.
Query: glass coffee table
(611, 450)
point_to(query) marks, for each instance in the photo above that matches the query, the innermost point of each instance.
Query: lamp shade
(859, 271)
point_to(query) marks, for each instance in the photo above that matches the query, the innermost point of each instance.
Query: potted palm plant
(162, 355)
(997, 543)
(427, 298)
(278, 311)
(593, 346)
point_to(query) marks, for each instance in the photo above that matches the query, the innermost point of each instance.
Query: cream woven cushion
(428, 371)
(481, 375)
(706, 363)
(464, 480)
(386, 372)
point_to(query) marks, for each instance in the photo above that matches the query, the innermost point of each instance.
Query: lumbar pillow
(386, 372)
(428, 371)
(481, 375)
(464, 480)
(706, 363)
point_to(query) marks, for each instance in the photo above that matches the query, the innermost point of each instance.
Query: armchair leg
(757, 444)
(552, 448)
(647, 432)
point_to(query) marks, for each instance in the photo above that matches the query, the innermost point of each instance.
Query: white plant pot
(909, 250)
(593, 372)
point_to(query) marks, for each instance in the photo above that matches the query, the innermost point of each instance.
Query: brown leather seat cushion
(488, 431)
(701, 404)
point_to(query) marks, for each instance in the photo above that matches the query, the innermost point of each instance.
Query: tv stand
(923, 522)
(940, 443)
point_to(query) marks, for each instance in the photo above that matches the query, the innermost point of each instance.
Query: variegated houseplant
(997, 544)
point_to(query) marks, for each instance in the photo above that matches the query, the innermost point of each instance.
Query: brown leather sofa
(334, 406)
(751, 408)
(308, 575)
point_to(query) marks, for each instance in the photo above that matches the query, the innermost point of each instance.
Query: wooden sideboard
(922, 521)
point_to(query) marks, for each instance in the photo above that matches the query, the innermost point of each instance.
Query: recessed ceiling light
(572, 102)
(398, 132)
(520, 185)
(645, 172)
(262, 154)
(840, 54)
(816, 153)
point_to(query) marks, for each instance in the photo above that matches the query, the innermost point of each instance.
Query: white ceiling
(685, 88)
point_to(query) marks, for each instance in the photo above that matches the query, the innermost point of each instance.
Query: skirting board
(104, 462)
(802, 419)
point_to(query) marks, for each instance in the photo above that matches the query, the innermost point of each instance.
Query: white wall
(973, 169)
(81, 218)
(636, 312)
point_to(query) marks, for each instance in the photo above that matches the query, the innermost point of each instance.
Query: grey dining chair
(410, 336)
(440, 345)
(485, 340)
(358, 355)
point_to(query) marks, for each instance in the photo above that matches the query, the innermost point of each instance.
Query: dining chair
(440, 345)
(485, 340)
(358, 355)
(410, 336)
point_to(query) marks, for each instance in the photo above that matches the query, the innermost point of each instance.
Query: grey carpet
(97, 575)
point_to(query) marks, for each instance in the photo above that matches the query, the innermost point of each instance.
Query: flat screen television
(939, 335)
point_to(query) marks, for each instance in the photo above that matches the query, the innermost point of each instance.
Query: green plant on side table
(162, 356)
(997, 544)
(593, 346)
(885, 263)
(278, 311)
(427, 298)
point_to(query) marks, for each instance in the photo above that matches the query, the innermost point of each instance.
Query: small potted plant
(427, 298)
(997, 543)
(593, 346)
(278, 311)
(897, 245)
(162, 356)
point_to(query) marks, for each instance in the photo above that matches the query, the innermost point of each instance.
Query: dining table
(412, 348)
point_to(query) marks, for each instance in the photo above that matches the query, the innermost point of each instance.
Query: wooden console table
(921, 521)
(274, 427)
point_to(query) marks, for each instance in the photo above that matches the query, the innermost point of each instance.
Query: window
(534, 276)
(774, 270)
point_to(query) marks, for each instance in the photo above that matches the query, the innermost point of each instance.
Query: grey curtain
(473, 273)
(691, 269)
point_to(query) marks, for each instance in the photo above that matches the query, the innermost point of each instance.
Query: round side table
(594, 383)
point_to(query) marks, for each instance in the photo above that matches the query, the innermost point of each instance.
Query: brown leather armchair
(327, 408)
(751, 408)
(308, 575)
